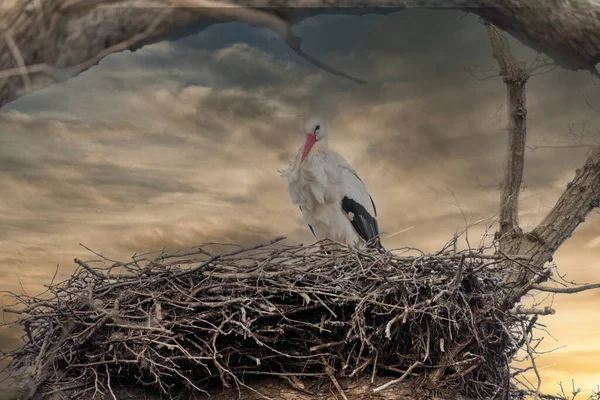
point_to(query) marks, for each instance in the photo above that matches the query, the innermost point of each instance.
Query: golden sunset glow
(180, 143)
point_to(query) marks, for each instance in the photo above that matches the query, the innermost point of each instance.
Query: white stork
(334, 201)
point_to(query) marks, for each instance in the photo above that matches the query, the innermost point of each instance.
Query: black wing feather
(373, 203)
(311, 228)
(362, 221)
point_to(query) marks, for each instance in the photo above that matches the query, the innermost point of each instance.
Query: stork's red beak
(310, 140)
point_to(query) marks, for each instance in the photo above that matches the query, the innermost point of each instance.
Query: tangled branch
(202, 319)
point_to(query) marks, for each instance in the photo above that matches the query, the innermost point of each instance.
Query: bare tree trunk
(515, 77)
(516, 157)
(580, 198)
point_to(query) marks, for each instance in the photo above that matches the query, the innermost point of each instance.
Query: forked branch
(579, 199)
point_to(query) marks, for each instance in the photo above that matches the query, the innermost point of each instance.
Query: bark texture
(579, 199)
(57, 39)
(515, 78)
(581, 196)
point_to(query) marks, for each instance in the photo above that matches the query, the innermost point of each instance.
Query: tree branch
(224, 11)
(514, 76)
(582, 194)
(569, 290)
(62, 34)
(533, 311)
(579, 199)
(19, 60)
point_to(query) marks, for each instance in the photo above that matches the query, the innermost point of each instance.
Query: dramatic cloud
(179, 143)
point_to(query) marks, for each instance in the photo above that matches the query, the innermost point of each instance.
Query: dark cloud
(179, 143)
(249, 68)
(16, 165)
(130, 180)
(173, 238)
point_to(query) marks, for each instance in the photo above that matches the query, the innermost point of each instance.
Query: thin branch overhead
(209, 9)
(515, 77)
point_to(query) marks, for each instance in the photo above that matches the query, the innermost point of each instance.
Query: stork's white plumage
(334, 201)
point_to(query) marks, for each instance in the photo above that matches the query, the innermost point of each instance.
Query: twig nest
(202, 321)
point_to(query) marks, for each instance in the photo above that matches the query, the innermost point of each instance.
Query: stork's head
(315, 132)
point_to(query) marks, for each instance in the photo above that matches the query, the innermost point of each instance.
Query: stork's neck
(323, 143)
(316, 152)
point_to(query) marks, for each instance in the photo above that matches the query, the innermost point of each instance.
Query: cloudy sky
(180, 142)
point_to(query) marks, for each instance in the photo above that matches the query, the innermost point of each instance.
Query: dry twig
(190, 321)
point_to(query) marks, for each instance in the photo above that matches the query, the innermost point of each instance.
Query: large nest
(197, 321)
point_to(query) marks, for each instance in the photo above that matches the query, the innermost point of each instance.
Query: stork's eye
(317, 128)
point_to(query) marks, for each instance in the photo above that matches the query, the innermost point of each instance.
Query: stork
(334, 201)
